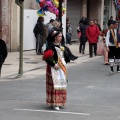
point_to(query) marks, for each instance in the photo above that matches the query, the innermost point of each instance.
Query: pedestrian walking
(106, 61)
(39, 31)
(113, 46)
(83, 38)
(3, 53)
(92, 33)
(56, 72)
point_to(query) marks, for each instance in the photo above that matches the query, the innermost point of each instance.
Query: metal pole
(60, 11)
(20, 73)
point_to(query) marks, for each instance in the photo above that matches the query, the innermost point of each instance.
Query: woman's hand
(56, 67)
(107, 48)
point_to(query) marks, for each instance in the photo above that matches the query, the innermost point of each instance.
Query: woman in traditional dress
(55, 72)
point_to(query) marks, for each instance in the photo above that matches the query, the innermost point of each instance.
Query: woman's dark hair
(40, 19)
(52, 35)
(56, 33)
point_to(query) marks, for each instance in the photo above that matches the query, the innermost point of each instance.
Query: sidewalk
(33, 65)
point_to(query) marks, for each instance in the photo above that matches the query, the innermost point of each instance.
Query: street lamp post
(21, 4)
(60, 11)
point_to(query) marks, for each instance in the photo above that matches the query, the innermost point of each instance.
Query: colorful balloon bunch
(49, 5)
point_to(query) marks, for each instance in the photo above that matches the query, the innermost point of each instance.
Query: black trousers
(82, 46)
(91, 47)
(114, 52)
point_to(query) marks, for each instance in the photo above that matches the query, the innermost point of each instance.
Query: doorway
(93, 9)
(74, 12)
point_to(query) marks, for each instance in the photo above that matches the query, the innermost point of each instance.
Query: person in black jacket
(83, 38)
(110, 21)
(39, 32)
(3, 53)
(83, 20)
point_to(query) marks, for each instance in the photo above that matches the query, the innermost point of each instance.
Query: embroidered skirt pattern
(54, 97)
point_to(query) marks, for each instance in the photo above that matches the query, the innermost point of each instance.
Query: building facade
(100, 10)
(10, 22)
(10, 16)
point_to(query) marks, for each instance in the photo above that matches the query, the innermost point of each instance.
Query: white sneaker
(111, 71)
(118, 71)
(56, 108)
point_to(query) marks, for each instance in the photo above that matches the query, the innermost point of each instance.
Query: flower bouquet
(48, 55)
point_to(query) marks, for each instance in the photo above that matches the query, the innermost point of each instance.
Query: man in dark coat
(84, 20)
(3, 53)
(39, 32)
(83, 38)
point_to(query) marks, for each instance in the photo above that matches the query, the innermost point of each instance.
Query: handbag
(79, 34)
(100, 48)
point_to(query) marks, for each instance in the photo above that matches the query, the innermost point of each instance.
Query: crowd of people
(109, 43)
(57, 52)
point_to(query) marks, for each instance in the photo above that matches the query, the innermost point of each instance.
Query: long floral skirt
(54, 97)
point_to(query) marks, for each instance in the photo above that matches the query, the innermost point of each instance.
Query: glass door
(107, 12)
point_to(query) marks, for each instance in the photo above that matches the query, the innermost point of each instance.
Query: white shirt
(108, 43)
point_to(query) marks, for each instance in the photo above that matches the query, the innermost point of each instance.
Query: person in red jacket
(92, 34)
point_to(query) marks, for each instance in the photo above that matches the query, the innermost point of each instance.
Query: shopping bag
(79, 35)
(100, 48)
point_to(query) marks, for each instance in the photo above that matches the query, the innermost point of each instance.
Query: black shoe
(90, 56)
(95, 54)
(106, 63)
(83, 52)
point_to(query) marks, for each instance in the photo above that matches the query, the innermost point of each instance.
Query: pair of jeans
(39, 43)
(68, 38)
(91, 47)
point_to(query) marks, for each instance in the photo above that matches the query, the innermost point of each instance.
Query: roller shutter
(74, 12)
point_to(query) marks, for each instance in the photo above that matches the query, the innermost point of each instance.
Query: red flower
(48, 54)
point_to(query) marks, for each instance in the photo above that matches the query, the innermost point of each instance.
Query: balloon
(52, 8)
(42, 3)
(49, 5)
(38, 1)
(56, 3)
(64, 9)
(40, 13)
